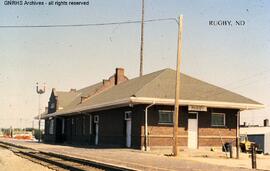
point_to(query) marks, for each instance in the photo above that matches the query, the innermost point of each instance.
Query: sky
(233, 57)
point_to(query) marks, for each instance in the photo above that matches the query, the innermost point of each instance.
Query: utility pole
(39, 91)
(237, 134)
(142, 36)
(177, 87)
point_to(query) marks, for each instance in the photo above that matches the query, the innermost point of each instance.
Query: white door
(96, 137)
(192, 130)
(128, 133)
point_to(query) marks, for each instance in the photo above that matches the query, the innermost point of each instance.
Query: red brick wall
(161, 134)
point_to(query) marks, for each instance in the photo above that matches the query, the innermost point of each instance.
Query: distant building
(258, 134)
(117, 111)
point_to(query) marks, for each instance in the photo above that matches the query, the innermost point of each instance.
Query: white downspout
(146, 148)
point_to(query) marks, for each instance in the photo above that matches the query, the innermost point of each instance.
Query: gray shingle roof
(70, 99)
(65, 98)
(161, 84)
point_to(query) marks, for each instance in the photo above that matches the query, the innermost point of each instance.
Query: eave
(157, 101)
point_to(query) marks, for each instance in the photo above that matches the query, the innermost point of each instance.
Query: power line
(88, 24)
(221, 91)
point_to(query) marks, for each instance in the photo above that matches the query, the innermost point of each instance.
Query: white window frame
(224, 119)
(166, 123)
(51, 126)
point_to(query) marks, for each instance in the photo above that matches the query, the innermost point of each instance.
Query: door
(96, 134)
(58, 131)
(192, 130)
(258, 139)
(128, 133)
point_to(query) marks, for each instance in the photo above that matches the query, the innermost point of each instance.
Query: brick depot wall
(162, 134)
(112, 128)
(77, 130)
(215, 136)
(48, 138)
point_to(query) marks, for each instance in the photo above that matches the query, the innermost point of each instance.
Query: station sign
(197, 108)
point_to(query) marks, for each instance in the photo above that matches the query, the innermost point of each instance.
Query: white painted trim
(161, 101)
(107, 105)
(197, 130)
(243, 106)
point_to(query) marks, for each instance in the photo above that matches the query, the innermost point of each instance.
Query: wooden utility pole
(237, 134)
(142, 35)
(177, 87)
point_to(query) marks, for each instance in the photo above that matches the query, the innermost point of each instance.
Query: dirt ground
(11, 162)
(220, 158)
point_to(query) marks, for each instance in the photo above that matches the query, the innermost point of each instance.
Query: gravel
(10, 162)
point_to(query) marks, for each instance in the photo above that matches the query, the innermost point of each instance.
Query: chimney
(119, 76)
(83, 98)
(106, 82)
(73, 90)
(266, 122)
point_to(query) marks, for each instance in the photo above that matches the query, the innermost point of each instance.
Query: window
(52, 106)
(90, 124)
(63, 125)
(128, 115)
(218, 119)
(51, 126)
(96, 119)
(83, 125)
(165, 116)
(77, 129)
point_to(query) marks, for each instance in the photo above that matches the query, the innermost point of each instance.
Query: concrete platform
(135, 159)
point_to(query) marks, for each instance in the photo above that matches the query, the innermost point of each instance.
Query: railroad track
(59, 162)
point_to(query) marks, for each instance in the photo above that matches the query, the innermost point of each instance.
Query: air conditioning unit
(128, 115)
(96, 119)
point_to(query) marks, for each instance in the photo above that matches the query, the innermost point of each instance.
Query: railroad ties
(57, 161)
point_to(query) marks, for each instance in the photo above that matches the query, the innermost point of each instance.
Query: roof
(64, 98)
(255, 130)
(159, 87)
(84, 92)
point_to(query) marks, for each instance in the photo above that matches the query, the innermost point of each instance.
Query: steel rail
(58, 161)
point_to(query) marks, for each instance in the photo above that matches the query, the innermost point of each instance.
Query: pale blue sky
(236, 58)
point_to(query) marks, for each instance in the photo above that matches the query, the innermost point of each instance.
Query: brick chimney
(72, 90)
(119, 76)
